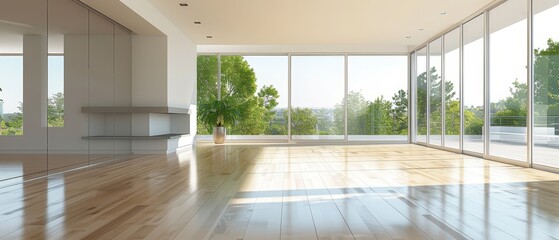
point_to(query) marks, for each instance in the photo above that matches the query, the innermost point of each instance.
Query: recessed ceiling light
(420, 29)
(183, 4)
(197, 22)
(443, 13)
(209, 37)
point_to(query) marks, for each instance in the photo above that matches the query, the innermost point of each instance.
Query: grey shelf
(164, 136)
(164, 110)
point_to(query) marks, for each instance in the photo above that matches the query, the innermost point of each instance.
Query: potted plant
(219, 113)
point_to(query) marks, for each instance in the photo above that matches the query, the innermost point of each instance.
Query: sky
(313, 75)
(11, 80)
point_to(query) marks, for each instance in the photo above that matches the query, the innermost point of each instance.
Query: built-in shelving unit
(164, 136)
(162, 110)
(145, 113)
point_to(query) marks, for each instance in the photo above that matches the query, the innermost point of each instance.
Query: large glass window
(421, 95)
(256, 84)
(11, 95)
(452, 88)
(473, 68)
(507, 80)
(260, 83)
(317, 88)
(376, 111)
(435, 95)
(546, 82)
(271, 79)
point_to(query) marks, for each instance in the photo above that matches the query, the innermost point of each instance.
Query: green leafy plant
(219, 112)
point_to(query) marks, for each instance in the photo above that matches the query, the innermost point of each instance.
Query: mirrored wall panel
(473, 99)
(47, 76)
(508, 85)
(23, 95)
(67, 80)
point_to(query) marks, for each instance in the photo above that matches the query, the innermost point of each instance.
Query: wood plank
(240, 191)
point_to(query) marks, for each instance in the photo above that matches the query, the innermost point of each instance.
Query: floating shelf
(164, 136)
(164, 110)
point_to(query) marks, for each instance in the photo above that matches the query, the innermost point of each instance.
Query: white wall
(181, 55)
(178, 80)
(182, 70)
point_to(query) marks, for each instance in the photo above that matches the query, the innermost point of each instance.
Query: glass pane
(23, 81)
(259, 85)
(452, 88)
(67, 69)
(473, 84)
(546, 81)
(508, 89)
(376, 111)
(206, 88)
(435, 97)
(55, 110)
(11, 95)
(122, 91)
(421, 95)
(101, 87)
(313, 112)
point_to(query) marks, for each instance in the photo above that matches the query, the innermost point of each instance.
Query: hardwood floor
(288, 192)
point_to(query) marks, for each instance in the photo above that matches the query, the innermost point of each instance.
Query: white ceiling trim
(281, 49)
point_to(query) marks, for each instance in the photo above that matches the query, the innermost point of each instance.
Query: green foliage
(546, 79)
(379, 117)
(452, 119)
(12, 124)
(303, 121)
(473, 120)
(356, 107)
(55, 110)
(436, 104)
(219, 113)
(513, 110)
(256, 110)
(400, 112)
(206, 88)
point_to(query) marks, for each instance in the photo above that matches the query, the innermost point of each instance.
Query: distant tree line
(12, 123)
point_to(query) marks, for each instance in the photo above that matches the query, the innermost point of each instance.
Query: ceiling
(303, 22)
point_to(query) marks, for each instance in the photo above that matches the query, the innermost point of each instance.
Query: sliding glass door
(452, 89)
(317, 97)
(473, 99)
(508, 87)
(421, 95)
(377, 111)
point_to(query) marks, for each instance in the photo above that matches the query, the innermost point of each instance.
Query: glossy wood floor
(288, 192)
